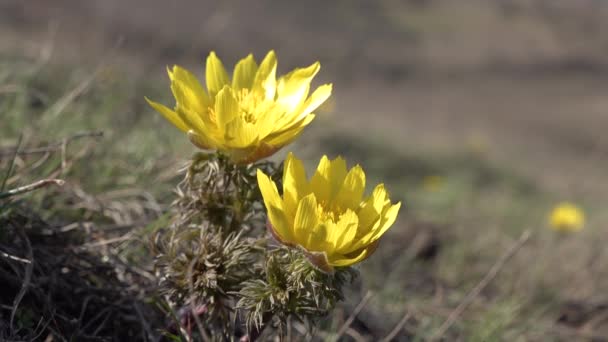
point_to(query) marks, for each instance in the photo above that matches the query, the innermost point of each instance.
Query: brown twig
(31, 187)
(193, 307)
(103, 242)
(16, 258)
(12, 164)
(145, 326)
(355, 335)
(29, 268)
(398, 327)
(353, 315)
(52, 147)
(492, 273)
(59, 106)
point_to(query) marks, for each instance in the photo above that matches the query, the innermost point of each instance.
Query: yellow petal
(226, 106)
(169, 115)
(338, 173)
(265, 79)
(345, 232)
(192, 119)
(244, 73)
(368, 213)
(352, 189)
(201, 140)
(347, 260)
(240, 134)
(190, 106)
(380, 198)
(320, 95)
(388, 218)
(216, 74)
(187, 107)
(274, 204)
(292, 88)
(328, 179)
(320, 180)
(286, 136)
(371, 210)
(180, 74)
(295, 184)
(269, 191)
(281, 226)
(367, 216)
(268, 118)
(385, 221)
(308, 232)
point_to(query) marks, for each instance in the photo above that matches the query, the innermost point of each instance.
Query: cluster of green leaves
(217, 256)
(291, 287)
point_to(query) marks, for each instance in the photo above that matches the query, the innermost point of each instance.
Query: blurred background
(480, 115)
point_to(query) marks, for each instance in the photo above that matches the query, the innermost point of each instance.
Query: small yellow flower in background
(432, 183)
(327, 216)
(249, 117)
(567, 217)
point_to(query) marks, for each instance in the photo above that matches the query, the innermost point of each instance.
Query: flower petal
(169, 115)
(287, 135)
(240, 135)
(274, 204)
(265, 82)
(180, 74)
(215, 74)
(308, 232)
(269, 191)
(352, 189)
(320, 180)
(281, 226)
(370, 210)
(320, 95)
(226, 106)
(338, 174)
(244, 73)
(304, 110)
(385, 221)
(293, 87)
(200, 140)
(187, 106)
(295, 184)
(347, 260)
(388, 218)
(380, 196)
(328, 179)
(346, 230)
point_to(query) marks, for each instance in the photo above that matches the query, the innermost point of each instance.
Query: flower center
(329, 211)
(248, 103)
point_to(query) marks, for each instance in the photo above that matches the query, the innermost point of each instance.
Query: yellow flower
(327, 216)
(249, 117)
(567, 217)
(432, 183)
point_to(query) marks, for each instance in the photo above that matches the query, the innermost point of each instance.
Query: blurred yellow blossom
(432, 183)
(567, 217)
(249, 117)
(327, 216)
